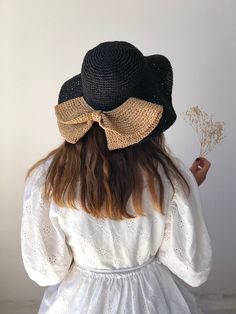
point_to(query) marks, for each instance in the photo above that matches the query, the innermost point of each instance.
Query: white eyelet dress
(145, 265)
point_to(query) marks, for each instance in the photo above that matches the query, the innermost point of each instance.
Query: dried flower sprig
(209, 133)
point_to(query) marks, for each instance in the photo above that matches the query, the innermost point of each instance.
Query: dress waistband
(120, 270)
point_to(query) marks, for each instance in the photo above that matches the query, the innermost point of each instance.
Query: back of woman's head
(129, 94)
(100, 181)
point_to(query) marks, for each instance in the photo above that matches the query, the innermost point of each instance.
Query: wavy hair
(105, 179)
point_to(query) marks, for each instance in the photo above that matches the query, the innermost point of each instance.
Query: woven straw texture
(125, 125)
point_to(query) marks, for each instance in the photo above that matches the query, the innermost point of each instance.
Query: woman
(112, 220)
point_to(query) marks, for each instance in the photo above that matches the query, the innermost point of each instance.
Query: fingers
(194, 166)
(203, 167)
(200, 168)
(204, 163)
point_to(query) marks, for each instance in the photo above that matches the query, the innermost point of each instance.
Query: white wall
(43, 44)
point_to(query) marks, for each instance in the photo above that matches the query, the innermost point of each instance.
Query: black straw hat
(114, 71)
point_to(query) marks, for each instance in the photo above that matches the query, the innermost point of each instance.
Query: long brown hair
(108, 178)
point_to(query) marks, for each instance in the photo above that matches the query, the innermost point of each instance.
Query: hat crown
(110, 73)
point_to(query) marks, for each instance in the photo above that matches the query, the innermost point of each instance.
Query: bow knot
(96, 115)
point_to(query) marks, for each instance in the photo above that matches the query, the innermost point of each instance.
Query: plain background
(43, 44)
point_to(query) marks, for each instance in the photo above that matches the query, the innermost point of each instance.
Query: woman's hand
(200, 168)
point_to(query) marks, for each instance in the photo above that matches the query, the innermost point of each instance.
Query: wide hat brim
(158, 83)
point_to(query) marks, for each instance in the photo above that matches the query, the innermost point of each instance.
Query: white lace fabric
(56, 241)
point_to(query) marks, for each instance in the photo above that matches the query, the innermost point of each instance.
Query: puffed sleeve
(45, 253)
(186, 246)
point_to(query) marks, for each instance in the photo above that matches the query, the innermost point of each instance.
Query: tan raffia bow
(125, 125)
